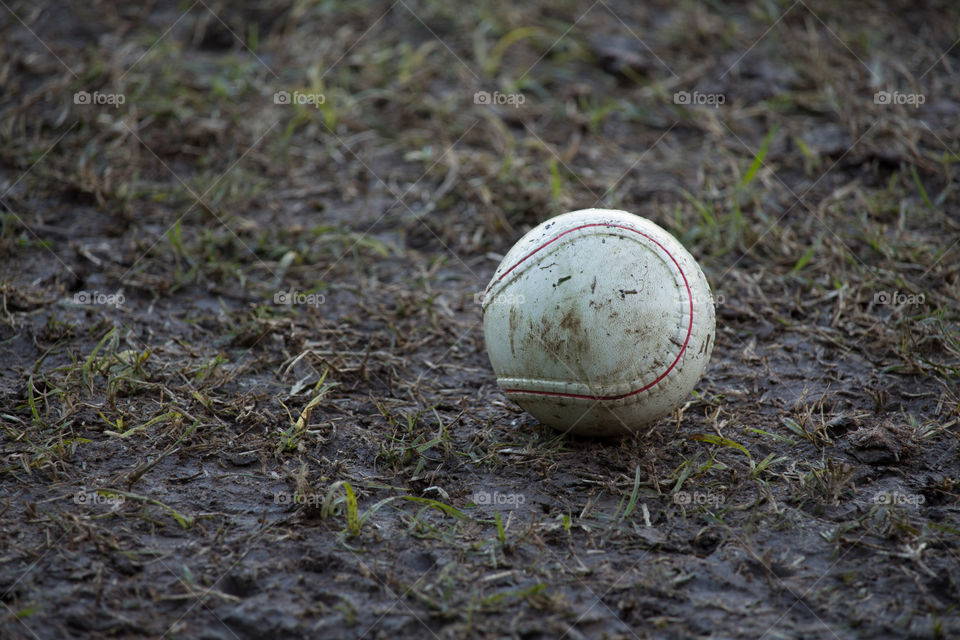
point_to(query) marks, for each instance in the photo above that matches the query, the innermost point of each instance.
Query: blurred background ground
(245, 391)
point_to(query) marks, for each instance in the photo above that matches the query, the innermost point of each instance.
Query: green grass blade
(758, 159)
(171, 415)
(723, 442)
(436, 504)
(920, 188)
(805, 258)
(353, 521)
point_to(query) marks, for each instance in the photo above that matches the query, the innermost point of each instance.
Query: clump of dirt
(884, 442)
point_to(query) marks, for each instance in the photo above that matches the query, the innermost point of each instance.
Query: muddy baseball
(598, 322)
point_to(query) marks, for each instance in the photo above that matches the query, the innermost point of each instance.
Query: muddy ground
(245, 392)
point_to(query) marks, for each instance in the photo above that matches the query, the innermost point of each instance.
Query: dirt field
(245, 392)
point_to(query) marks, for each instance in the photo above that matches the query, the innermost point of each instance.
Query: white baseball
(598, 322)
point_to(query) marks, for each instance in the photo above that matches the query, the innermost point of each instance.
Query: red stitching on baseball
(673, 364)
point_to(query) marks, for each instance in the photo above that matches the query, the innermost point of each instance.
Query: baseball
(598, 322)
